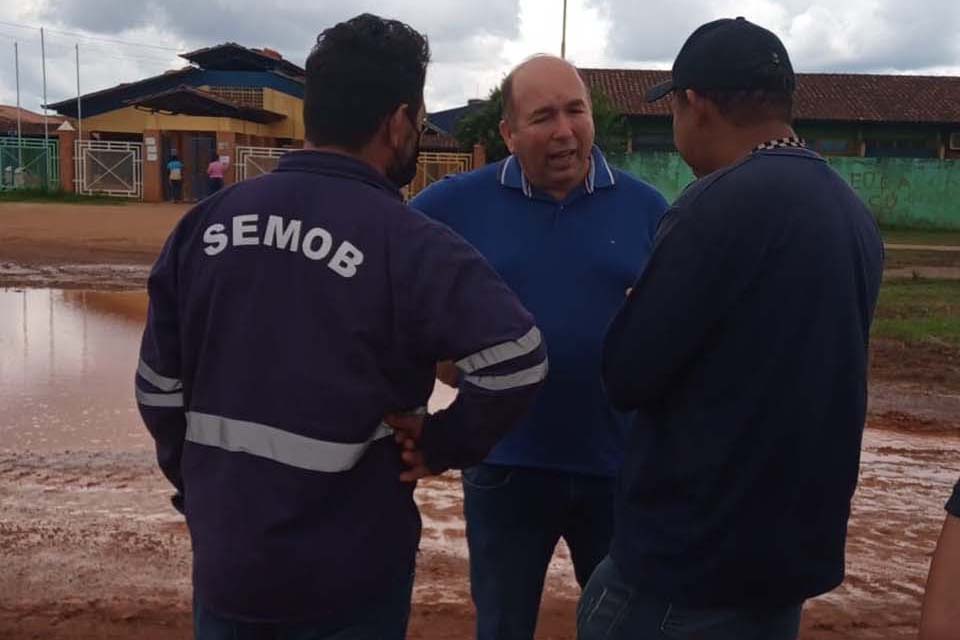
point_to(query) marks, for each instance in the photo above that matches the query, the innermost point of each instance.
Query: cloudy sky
(474, 42)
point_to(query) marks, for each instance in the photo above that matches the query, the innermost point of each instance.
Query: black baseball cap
(729, 54)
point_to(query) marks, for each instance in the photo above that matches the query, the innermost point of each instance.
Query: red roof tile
(433, 140)
(31, 123)
(820, 96)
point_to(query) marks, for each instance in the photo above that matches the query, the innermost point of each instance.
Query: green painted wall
(665, 170)
(908, 192)
(904, 192)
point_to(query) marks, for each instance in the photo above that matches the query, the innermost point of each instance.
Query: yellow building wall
(136, 121)
(292, 107)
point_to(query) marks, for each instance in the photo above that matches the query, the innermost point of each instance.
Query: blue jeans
(610, 609)
(515, 517)
(387, 621)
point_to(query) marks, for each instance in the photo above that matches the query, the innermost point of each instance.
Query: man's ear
(506, 132)
(704, 109)
(396, 126)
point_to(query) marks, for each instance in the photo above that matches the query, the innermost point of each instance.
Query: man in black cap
(743, 349)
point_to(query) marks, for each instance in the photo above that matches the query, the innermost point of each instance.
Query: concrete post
(479, 156)
(68, 173)
(153, 166)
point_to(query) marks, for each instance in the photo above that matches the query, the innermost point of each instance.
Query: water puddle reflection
(67, 362)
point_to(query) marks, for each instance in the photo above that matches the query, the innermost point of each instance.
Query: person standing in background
(175, 176)
(214, 176)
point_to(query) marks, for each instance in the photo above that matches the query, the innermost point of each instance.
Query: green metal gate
(32, 164)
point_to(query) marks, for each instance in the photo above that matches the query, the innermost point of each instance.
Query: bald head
(547, 67)
(548, 123)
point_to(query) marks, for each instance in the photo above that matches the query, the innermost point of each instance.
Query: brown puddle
(67, 361)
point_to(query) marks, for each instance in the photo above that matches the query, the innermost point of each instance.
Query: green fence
(32, 164)
(664, 170)
(903, 192)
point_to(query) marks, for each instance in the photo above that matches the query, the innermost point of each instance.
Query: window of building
(902, 148)
(831, 146)
(243, 96)
(653, 142)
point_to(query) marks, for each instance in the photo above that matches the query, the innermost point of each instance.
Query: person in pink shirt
(215, 175)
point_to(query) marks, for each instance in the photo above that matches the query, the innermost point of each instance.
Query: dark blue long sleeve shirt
(743, 348)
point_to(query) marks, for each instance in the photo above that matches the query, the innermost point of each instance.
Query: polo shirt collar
(600, 175)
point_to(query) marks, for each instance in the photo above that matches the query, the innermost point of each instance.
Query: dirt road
(90, 548)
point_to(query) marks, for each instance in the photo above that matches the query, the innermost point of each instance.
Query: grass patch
(919, 312)
(50, 195)
(920, 236)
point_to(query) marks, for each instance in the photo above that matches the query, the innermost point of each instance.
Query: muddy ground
(89, 547)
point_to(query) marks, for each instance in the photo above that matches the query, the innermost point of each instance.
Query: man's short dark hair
(747, 107)
(358, 73)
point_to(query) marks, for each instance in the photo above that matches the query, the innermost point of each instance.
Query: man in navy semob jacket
(289, 314)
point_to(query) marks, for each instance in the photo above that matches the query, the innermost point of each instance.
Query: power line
(156, 61)
(89, 37)
(20, 26)
(20, 36)
(113, 53)
(61, 41)
(60, 52)
(61, 47)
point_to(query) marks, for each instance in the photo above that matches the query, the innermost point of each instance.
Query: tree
(483, 127)
(613, 132)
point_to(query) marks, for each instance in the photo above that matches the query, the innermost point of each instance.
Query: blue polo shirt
(570, 262)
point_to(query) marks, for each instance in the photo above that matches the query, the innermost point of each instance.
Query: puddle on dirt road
(67, 362)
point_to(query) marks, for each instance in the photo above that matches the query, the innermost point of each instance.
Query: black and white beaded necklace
(791, 142)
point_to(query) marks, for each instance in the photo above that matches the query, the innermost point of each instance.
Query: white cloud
(474, 43)
(823, 35)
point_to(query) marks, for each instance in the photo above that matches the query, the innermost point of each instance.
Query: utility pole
(46, 126)
(16, 64)
(563, 38)
(79, 105)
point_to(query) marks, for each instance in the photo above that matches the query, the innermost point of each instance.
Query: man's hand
(177, 501)
(407, 431)
(448, 374)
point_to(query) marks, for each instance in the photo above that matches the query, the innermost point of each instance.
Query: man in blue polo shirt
(569, 234)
